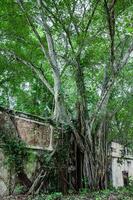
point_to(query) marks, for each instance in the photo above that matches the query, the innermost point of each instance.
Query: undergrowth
(117, 194)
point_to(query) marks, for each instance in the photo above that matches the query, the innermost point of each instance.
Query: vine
(15, 151)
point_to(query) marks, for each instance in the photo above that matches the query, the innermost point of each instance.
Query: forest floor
(71, 197)
(14, 197)
(114, 194)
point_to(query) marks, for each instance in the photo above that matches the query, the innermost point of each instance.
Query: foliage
(120, 194)
(19, 189)
(53, 196)
(71, 61)
(27, 93)
(15, 151)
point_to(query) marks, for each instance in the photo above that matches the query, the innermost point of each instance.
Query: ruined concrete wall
(118, 168)
(33, 133)
(4, 176)
(120, 165)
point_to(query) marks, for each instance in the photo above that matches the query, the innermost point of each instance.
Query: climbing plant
(15, 151)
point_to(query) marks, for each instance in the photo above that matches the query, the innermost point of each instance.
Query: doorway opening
(125, 178)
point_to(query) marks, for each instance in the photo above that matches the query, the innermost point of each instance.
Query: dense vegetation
(71, 62)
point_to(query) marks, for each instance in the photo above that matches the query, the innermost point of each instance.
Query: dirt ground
(20, 197)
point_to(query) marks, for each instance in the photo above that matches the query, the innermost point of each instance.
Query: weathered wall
(36, 135)
(33, 133)
(4, 176)
(119, 165)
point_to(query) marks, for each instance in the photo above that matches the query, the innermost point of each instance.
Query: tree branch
(111, 24)
(49, 37)
(86, 28)
(33, 28)
(111, 81)
(124, 59)
(43, 47)
(30, 65)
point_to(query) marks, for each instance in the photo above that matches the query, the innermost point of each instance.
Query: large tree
(67, 58)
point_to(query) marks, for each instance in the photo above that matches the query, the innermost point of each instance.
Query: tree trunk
(95, 159)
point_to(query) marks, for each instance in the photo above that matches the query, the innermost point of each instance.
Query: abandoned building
(38, 136)
(121, 165)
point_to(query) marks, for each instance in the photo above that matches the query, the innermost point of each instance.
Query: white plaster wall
(116, 149)
(130, 169)
(117, 168)
(117, 178)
